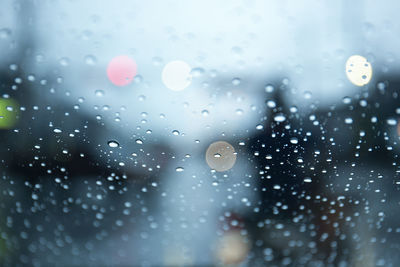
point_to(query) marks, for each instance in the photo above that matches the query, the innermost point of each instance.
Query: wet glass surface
(199, 133)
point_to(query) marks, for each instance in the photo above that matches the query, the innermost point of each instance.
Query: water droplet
(56, 130)
(239, 111)
(363, 103)
(271, 104)
(179, 169)
(217, 155)
(269, 88)
(236, 81)
(293, 109)
(381, 86)
(279, 118)
(205, 113)
(197, 72)
(294, 140)
(5, 33)
(277, 187)
(90, 60)
(64, 61)
(346, 100)
(391, 121)
(31, 78)
(348, 120)
(113, 144)
(141, 98)
(13, 67)
(157, 61)
(175, 132)
(307, 180)
(138, 141)
(259, 127)
(307, 95)
(99, 93)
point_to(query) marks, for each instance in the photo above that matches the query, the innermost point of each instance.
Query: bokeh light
(398, 128)
(176, 75)
(232, 248)
(220, 156)
(121, 70)
(8, 113)
(358, 70)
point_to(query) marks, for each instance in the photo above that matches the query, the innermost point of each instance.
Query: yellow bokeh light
(232, 248)
(358, 70)
(220, 156)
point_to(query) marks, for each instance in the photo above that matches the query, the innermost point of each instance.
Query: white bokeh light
(176, 75)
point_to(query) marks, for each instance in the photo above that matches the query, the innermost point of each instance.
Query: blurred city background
(199, 133)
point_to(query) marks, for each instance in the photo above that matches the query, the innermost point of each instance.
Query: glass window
(199, 133)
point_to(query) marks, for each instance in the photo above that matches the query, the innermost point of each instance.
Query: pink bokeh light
(121, 70)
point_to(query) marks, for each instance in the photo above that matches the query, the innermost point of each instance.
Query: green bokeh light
(8, 113)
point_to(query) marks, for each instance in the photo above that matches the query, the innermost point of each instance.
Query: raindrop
(157, 61)
(307, 95)
(31, 78)
(279, 118)
(259, 127)
(141, 98)
(138, 141)
(179, 169)
(269, 88)
(294, 140)
(13, 67)
(90, 60)
(175, 132)
(64, 61)
(113, 143)
(56, 130)
(239, 112)
(391, 122)
(197, 72)
(271, 104)
(346, 100)
(5, 33)
(236, 81)
(348, 120)
(293, 109)
(99, 93)
(381, 86)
